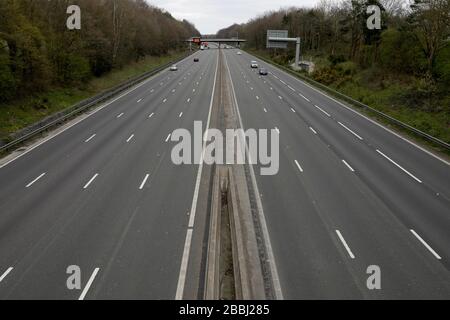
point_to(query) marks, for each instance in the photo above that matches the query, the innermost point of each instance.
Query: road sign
(277, 34)
(196, 40)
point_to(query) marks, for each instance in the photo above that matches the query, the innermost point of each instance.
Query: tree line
(414, 40)
(38, 51)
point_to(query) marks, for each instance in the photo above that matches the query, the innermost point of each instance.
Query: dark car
(196, 59)
(263, 72)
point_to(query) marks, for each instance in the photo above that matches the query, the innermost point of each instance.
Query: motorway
(349, 194)
(104, 195)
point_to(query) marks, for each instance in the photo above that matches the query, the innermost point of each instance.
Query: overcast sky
(211, 15)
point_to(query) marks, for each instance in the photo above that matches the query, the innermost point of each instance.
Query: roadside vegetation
(403, 69)
(20, 113)
(45, 67)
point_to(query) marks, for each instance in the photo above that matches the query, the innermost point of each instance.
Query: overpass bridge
(199, 40)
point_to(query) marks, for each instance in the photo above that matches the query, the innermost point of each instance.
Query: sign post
(279, 39)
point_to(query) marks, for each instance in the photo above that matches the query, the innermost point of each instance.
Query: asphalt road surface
(349, 194)
(104, 195)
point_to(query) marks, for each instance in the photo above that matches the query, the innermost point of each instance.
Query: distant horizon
(210, 16)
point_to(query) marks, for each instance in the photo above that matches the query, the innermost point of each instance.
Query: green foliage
(72, 69)
(7, 80)
(348, 68)
(335, 59)
(402, 69)
(326, 75)
(401, 53)
(17, 114)
(442, 66)
(41, 53)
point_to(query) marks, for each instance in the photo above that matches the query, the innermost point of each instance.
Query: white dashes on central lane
(400, 167)
(8, 271)
(35, 180)
(339, 234)
(90, 181)
(90, 138)
(298, 166)
(351, 131)
(350, 253)
(348, 166)
(144, 181)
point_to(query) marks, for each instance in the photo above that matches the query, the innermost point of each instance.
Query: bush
(335, 59)
(73, 69)
(347, 68)
(442, 66)
(326, 75)
(400, 52)
(7, 81)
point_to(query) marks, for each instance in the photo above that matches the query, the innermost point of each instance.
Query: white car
(174, 68)
(254, 65)
(239, 53)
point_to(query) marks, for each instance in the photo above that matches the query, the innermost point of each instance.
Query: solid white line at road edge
(271, 258)
(90, 181)
(88, 285)
(400, 167)
(3, 276)
(426, 244)
(187, 243)
(350, 253)
(32, 182)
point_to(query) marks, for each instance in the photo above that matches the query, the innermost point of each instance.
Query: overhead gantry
(199, 40)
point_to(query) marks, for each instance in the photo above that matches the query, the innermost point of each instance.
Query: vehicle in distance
(196, 59)
(239, 53)
(263, 72)
(174, 68)
(254, 64)
(202, 47)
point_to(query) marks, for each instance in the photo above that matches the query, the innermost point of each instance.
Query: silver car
(174, 68)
